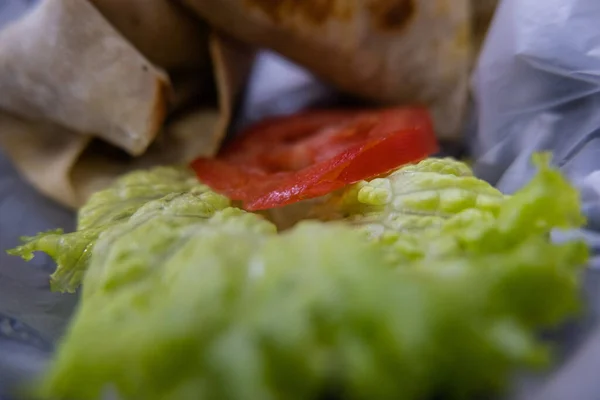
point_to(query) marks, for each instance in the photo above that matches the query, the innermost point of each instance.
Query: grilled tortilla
(389, 51)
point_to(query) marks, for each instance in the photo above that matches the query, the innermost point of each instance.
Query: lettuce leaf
(437, 209)
(228, 315)
(151, 289)
(138, 195)
(133, 190)
(219, 306)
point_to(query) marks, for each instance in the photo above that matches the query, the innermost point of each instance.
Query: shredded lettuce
(430, 283)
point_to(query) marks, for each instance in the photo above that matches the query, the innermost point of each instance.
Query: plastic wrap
(31, 317)
(537, 87)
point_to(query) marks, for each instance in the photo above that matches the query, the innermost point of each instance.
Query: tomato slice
(287, 159)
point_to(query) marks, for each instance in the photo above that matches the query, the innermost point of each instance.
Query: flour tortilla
(390, 51)
(171, 38)
(64, 63)
(160, 29)
(196, 133)
(75, 118)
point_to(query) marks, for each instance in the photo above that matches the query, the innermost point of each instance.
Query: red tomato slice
(287, 159)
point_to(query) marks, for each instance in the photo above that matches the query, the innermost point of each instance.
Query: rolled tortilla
(198, 132)
(43, 153)
(64, 63)
(391, 51)
(170, 37)
(161, 30)
(68, 166)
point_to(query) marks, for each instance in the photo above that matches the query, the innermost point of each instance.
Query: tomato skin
(288, 159)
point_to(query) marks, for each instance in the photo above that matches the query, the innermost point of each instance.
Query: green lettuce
(150, 289)
(437, 209)
(111, 208)
(199, 302)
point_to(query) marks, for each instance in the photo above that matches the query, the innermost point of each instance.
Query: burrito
(389, 51)
(112, 95)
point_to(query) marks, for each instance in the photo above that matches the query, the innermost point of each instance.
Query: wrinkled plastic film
(537, 87)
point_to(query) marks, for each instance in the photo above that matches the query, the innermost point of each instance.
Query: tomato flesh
(288, 159)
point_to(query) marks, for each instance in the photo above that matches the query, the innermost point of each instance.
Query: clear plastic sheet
(536, 87)
(31, 317)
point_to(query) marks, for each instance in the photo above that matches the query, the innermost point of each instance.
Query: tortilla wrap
(62, 62)
(390, 51)
(161, 30)
(75, 118)
(170, 37)
(196, 133)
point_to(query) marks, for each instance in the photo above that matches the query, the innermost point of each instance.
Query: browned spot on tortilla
(443, 7)
(315, 11)
(392, 14)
